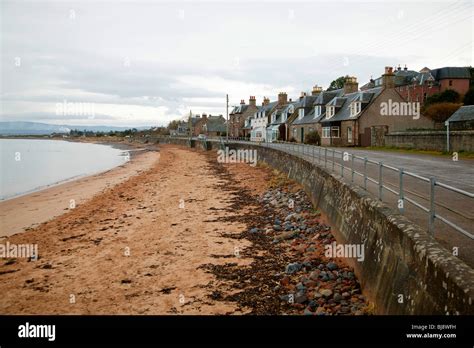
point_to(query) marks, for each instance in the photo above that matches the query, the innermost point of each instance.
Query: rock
(312, 305)
(285, 235)
(254, 230)
(326, 292)
(277, 222)
(300, 286)
(314, 274)
(289, 217)
(303, 227)
(346, 295)
(293, 267)
(285, 281)
(274, 202)
(307, 311)
(317, 295)
(337, 297)
(300, 297)
(332, 266)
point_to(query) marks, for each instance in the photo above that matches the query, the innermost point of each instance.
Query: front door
(302, 134)
(366, 137)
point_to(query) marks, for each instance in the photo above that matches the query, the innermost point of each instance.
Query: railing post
(352, 168)
(325, 157)
(333, 158)
(342, 164)
(314, 157)
(365, 173)
(319, 154)
(380, 180)
(432, 206)
(401, 199)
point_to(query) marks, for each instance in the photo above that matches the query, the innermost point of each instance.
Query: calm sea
(31, 165)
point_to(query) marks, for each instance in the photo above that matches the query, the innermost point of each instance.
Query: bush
(440, 112)
(469, 97)
(292, 140)
(448, 96)
(312, 138)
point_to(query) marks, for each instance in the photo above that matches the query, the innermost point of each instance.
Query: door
(365, 139)
(349, 135)
(302, 134)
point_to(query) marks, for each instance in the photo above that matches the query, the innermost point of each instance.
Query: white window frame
(338, 131)
(317, 110)
(300, 113)
(330, 111)
(349, 135)
(326, 132)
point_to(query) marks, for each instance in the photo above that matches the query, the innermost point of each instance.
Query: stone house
(214, 126)
(238, 116)
(362, 118)
(303, 121)
(260, 120)
(277, 128)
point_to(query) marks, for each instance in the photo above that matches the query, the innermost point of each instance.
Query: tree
(440, 112)
(173, 124)
(337, 83)
(469, 97)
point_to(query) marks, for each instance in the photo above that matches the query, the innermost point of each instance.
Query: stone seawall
(434, 140)
(405, 270)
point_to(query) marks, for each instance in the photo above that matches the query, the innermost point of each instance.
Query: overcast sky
(148, 62)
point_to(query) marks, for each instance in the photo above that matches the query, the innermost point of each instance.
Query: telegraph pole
(227, 117)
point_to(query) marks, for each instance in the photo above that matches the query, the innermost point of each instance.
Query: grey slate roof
(239, 109)
(308, 118)
(326, 96)
(464, 113)
(216, 124)
(343, 112)
(451, 73)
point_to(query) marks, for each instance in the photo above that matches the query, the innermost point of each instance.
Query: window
(326, 132)
(300, 113)
(311, 129)
(334, 132)
(450, 82)
(349, 134)
(273, 118)
(317, 110)
(330, 111)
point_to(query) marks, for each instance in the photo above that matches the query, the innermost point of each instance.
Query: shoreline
(40, 205)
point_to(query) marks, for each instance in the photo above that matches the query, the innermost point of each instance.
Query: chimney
(266, 101)
(252, 101)
(399, 67)
(242, 102)
(282, 98)
(388, 79)
(350, 84)
(405, 68)
(316, 90)
(204, 116)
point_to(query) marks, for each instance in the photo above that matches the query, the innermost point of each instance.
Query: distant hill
(36, 128)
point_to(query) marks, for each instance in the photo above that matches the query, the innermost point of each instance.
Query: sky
(145, 63)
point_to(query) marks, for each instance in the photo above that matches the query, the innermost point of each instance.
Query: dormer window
(355, 108)
(317, 110)
(330, 111)
(300, 113)
(273, 117)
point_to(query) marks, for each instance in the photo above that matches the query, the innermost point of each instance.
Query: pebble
(326, 292)
(293, 267)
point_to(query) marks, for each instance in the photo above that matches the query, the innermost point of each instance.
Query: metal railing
(347, 163)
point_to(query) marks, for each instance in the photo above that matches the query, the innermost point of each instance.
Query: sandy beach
(132, 245)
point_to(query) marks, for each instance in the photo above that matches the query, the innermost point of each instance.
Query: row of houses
(352, 116)
(348, 116)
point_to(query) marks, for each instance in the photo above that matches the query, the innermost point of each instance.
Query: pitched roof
(216, 124)
(308, 118)
(343, 103)
(464, 113)
(451, 73)
(325, 96)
